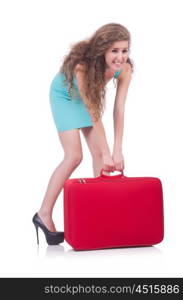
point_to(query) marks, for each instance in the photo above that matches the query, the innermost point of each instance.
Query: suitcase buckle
(81, 180)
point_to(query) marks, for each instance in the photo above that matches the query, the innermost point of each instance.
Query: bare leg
(71, 143)
(92, 142)
(97, 164)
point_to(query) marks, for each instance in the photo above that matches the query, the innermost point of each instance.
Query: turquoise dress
(68, 113)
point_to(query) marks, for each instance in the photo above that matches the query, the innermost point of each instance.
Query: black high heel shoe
(52, 238)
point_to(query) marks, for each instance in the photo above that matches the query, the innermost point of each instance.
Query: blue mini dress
(68, 113)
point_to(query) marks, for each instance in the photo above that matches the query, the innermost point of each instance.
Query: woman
(77, 99)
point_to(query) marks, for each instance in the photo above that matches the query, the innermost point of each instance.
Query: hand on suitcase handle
(115, 176)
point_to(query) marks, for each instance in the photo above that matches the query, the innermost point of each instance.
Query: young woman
(77, 98)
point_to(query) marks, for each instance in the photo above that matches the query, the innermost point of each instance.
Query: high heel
(52, 238)
(36, 226)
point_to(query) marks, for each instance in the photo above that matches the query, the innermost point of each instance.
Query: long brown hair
(91, 54)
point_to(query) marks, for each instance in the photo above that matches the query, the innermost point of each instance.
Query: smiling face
(117, 55)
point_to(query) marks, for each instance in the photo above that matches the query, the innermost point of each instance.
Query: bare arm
(119, 107)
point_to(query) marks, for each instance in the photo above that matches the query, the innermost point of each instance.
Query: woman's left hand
(118, 160)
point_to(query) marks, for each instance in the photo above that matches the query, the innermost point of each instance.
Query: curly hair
(91, 54)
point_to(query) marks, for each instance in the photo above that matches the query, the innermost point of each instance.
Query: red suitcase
(113, 211)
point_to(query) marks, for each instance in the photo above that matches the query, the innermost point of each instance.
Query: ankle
(46, 218)
(45, 213)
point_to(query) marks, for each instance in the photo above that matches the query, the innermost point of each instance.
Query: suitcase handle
(110, 177)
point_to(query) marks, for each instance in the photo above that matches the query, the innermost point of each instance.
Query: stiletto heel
(52, 238)
(37, 233)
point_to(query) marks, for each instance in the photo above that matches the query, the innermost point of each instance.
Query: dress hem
(59, 130)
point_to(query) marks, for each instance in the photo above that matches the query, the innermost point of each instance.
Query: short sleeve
(117, 74)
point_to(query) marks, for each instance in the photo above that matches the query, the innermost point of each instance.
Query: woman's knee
(91, 137)
(96, 154)
(72, 147)
(74, 158)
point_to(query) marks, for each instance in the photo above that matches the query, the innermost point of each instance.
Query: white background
(35, 35)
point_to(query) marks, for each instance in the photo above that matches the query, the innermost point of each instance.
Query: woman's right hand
(108, 164)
